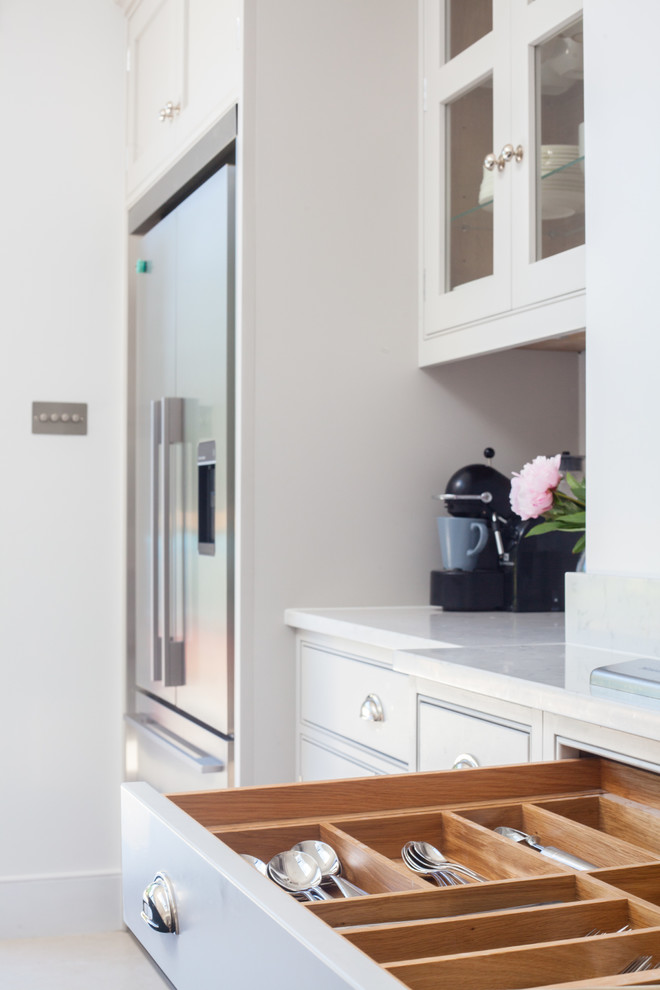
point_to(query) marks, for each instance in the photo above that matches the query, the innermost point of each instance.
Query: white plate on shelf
(556, 203)
(559, 204)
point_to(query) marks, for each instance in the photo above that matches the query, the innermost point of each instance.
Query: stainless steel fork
(639, 964)
(598, 931)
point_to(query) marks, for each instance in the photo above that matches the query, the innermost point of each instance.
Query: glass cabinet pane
(467, 21)
(559, 143)
(469, 190)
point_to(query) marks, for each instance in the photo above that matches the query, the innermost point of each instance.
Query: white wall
(345, 439)
(622, 82)
(61, 498)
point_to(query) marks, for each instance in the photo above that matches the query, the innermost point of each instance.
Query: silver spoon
(329, 865)
(298, 873)
(258, 864)
(443, 878)
(550, 852)
(427, 855)
(260, 867)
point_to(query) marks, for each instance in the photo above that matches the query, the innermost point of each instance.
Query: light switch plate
(59, 417)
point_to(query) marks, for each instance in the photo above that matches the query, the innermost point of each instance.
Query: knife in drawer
(550, 852)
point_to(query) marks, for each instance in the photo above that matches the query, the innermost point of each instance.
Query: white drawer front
(444, 734)
(337, 692)
(319, 762)
(236, 928)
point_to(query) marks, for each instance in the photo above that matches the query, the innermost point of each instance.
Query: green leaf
(545, 527)
(566, 503)
(580, 545)
(572, 519)
(579, 488)
(557, 512)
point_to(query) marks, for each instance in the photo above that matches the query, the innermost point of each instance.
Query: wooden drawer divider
(529, 924)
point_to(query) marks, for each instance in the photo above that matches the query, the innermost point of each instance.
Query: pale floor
(108, 961)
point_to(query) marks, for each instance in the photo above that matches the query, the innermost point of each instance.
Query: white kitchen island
(386, 691)
(436, 686)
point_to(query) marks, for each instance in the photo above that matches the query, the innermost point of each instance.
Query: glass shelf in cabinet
(488, 203)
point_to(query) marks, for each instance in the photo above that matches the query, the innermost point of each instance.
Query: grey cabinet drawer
(521, 925)
(320, 759)
(236, 928)
(444, 733)
(333, 690)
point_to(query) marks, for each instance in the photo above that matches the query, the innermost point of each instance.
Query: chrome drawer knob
(158, 906)
(464, 761)
(169, 111)
(372, 709)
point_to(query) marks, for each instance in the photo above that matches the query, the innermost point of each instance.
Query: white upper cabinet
(502, 242)
(183, 67)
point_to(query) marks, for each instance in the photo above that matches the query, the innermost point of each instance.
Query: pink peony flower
(532, 490)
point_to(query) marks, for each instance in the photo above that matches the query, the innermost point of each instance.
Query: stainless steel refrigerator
(181, 663)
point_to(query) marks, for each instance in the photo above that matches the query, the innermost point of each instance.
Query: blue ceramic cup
(461, 541)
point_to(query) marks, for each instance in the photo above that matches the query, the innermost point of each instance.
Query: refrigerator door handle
(196, 758)
(173, 649)
(156, 644)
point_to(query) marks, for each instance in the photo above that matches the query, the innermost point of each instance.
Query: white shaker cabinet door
(155, 85)
(211, 65)
(184, 73)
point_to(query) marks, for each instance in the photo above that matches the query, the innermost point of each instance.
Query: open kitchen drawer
(532, 922)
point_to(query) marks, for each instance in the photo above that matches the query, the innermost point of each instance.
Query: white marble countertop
(520, 657)
(426, 627)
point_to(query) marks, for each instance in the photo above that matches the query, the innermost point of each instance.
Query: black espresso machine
(513, 573)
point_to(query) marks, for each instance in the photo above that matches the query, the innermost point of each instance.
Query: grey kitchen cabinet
(326, 758)
(353, 711)
(457, 729)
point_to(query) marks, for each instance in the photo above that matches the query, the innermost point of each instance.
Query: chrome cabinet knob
(158, 906)
(507, 153)
(372, 709)
(169, 111)
(464, 761)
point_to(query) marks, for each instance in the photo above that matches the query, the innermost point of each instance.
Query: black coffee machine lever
(497, 534)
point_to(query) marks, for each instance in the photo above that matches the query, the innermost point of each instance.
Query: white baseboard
(60, 905)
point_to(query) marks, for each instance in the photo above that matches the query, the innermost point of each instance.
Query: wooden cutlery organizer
(532, 923)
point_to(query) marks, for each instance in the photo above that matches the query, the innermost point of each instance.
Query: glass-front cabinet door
(502, 202)
(549, 203)
(464, 215)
